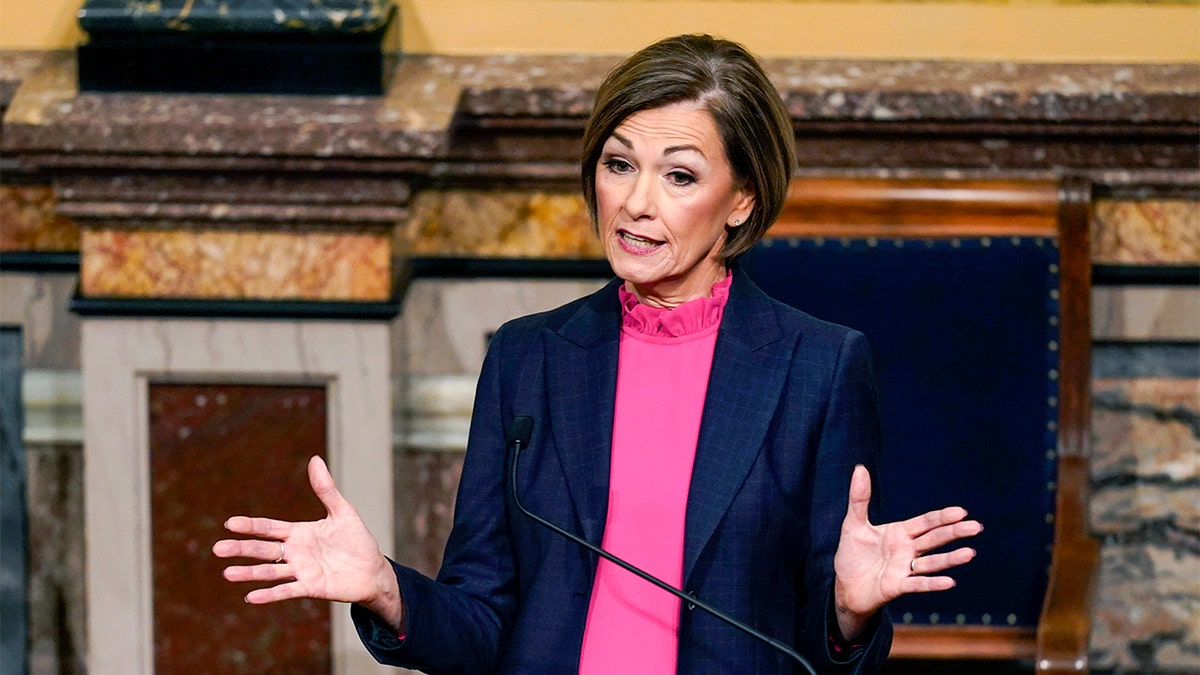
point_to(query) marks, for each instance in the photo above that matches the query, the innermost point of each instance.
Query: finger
(938, 562)
(919, 525)
(323, 486)
(860, 495)
(288, 591)
(229, 548)
(259, 527)
(940, 536)
(270, 551)
(267, 572)
(926, 584)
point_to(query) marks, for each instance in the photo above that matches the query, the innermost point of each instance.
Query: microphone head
(521, 430)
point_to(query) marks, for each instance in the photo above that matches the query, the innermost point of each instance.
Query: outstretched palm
(875, 564)
(334, 558)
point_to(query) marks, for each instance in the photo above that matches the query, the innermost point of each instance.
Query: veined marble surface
(29, 222)
(1146, 508)
(501, 223)
(219, 16)
(1146, 232)
(341, 264)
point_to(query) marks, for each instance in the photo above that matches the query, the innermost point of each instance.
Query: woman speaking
(678, 419)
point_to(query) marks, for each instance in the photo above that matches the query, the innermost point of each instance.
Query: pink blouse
(662, 378)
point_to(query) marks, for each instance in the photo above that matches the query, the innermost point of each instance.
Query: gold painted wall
(39, 24)
(1016, 30)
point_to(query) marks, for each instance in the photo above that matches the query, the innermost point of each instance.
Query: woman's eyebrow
(682, 148)
(666, 151)
(624, 141)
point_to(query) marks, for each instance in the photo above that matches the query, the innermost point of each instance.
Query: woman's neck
(669, 295)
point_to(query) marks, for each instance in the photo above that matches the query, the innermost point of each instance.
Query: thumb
(323, 486)
(860, 495)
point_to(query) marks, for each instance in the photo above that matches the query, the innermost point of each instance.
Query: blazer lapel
(581, 380)
(748, 373)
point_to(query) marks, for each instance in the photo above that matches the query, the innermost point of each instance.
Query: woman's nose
(640, 202)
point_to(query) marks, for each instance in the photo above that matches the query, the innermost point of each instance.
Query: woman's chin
(637, 270)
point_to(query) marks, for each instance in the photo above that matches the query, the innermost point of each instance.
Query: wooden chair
(975, 297)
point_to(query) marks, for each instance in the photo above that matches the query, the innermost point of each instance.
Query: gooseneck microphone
(519, 435)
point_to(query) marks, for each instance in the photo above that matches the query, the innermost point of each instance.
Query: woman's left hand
(875, 564)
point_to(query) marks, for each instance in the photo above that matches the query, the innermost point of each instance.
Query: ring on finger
(912, 564)
(281, 553)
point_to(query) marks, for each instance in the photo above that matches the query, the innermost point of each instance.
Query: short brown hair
(728, 81)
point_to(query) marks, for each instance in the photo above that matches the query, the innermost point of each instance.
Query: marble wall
(1144, 421)
(512, 121)
(1146, 443)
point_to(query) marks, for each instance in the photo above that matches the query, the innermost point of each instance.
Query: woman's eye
(617, 165)
(681, 178)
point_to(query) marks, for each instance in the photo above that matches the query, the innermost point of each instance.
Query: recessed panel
(217, 451)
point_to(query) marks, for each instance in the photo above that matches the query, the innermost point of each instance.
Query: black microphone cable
(519, 436)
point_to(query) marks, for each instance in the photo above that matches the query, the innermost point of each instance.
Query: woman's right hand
(335, 558)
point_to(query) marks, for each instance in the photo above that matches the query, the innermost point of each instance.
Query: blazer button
(691, 606)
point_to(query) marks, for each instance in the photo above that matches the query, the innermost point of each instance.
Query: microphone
(519, 435)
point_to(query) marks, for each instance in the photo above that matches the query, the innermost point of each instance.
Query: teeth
(639, 241)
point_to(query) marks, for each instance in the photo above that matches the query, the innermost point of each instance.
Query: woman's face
(664, 193)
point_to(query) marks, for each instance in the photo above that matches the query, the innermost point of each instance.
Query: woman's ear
(743, 208)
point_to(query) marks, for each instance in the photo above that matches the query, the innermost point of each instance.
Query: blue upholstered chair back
(964, 334)
(975, 296)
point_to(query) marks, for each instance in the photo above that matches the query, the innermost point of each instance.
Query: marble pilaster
(343, 357)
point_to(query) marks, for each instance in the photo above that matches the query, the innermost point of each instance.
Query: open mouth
(638, 243)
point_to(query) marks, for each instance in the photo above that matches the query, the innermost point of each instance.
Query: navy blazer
(790, 409)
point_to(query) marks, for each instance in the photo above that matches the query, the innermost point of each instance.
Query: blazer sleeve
(458, 623)
(849, 435)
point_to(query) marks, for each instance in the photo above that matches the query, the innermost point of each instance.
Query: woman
(681, 419)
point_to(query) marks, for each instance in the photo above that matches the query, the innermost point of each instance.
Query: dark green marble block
(316, 47)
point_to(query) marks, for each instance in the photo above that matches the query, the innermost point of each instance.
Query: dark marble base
(242, 64)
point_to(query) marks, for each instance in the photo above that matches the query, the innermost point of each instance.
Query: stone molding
(506, 118)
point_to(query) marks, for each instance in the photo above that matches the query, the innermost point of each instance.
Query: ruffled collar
(692, 317)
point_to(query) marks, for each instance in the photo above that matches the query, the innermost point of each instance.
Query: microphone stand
(689, 599)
